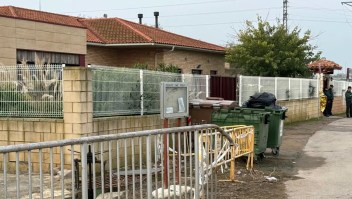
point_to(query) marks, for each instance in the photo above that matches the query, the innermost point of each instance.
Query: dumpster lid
(201, 103)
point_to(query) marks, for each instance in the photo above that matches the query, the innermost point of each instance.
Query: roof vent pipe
(140, 16)
(156, 15)
(105, 15)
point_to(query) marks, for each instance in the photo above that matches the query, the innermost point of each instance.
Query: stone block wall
(301, 110)
(305, 109)
(186, 60)
(339, 105)
(15, 131)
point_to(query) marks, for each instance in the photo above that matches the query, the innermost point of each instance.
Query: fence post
(197, 162)
(207, 86)
(289, 88)
(141, 90)
(149, 168)
(183, 77)
(318, 86)
(276, 88)
(84, 170)
(259, 84)
(300, 89)
(240, 92)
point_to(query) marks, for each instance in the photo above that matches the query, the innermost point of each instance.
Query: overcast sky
(217, 21)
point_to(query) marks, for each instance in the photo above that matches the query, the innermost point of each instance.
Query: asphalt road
(325, 169)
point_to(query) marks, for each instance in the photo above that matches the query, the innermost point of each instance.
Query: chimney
(140, 16)
(156, 15)
(105, 15)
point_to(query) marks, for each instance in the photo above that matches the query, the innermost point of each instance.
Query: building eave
(156, 45)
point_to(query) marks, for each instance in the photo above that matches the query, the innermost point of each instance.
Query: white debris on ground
(175, 190)
(271, 179)
(47, 194)
(115, 195)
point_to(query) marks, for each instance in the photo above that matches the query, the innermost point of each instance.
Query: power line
(160, 6)
(218, 12)
(320, 18)
(243, 22)
(316, 20)
(206, 24)
(318, 9)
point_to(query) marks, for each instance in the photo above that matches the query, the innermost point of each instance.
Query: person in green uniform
(348, 98)
(329, 100)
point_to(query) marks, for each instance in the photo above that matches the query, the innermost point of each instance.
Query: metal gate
(224, 87)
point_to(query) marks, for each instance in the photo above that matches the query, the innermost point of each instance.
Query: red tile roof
(110, 30)
(324, 65)
(119, 31)
(34, 15)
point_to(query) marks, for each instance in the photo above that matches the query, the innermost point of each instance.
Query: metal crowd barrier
(124, 165)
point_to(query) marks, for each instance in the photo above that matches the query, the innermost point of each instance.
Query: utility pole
(284, 18)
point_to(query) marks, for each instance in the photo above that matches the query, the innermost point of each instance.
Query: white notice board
(173, 100)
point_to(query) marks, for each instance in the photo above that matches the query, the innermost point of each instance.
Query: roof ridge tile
(13, 12)
(135, 30)
(171, 33)
(52, 13)
(89, 27)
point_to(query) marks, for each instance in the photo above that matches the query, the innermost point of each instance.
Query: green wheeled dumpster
(276, 126)
(260, 121)
(276, 129)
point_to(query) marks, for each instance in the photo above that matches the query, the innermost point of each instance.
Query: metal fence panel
(126, 91)
(31, 91)
(295, 88)
(198, 86)
(282, 88)
(267, 84)
(339, 87)
(249, 86)
(151, 88)
(116, 91)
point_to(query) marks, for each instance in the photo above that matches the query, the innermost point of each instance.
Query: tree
(271, 50)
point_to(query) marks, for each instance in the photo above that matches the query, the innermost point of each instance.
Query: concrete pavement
(325, 169)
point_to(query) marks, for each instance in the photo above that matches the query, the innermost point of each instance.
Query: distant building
(38, 37)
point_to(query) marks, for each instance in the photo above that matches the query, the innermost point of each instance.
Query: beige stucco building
(23, 37)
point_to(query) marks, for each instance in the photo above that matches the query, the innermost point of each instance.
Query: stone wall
(339, 105)
(305, 109)
(120, 57)
(301, 110)
(15, 131)
(189, 60)
(186, 60)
